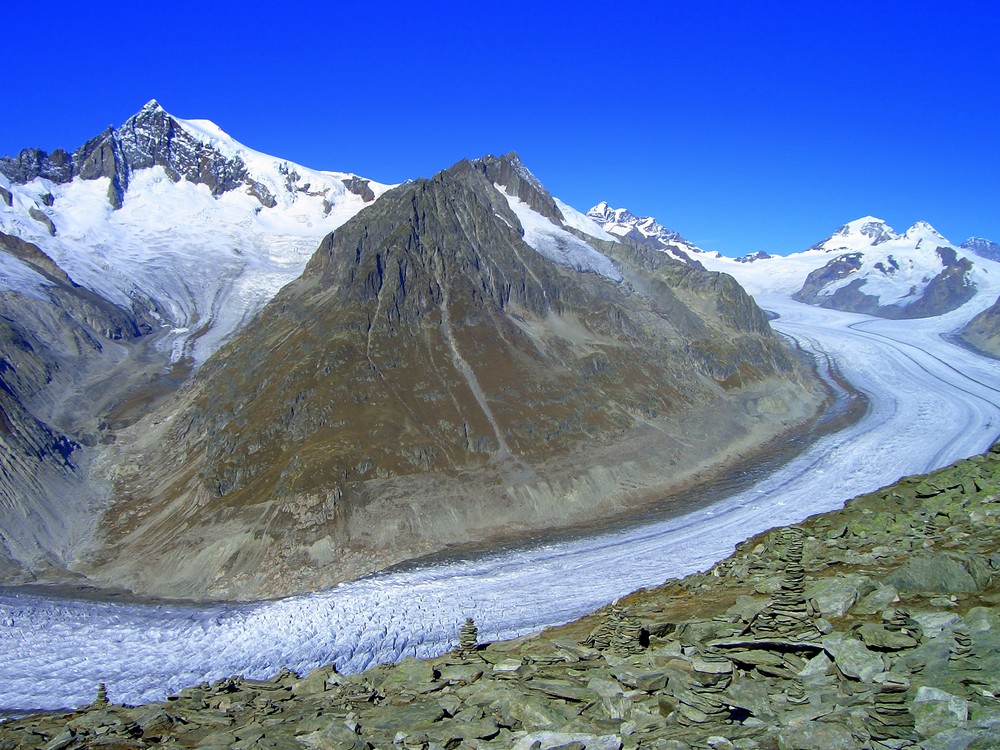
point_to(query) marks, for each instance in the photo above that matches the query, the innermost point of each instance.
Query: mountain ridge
(443, 372)
(646, 230)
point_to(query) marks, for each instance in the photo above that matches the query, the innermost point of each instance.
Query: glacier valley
(930, 403)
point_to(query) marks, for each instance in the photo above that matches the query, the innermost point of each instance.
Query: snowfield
(202, 264)
(932, 402)
(558, 245)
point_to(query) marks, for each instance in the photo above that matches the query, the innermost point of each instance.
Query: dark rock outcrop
(50, 335)
(983, 248)
(948, 290)
(983, 331)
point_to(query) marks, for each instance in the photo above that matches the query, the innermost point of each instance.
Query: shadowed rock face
(431, 379)
(983, 248)
(983, 331)
(50, 336)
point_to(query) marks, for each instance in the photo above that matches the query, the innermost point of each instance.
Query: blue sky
(743, 126)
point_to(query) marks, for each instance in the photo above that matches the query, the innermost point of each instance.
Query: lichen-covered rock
(834, 596)
(935, 711)
(567, 740)
(939, 572)
(853, 658)
(813, 735)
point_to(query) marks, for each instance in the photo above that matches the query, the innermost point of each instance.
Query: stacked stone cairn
(788, 614)
(468, 639)
(795, 693)
(890, 718)
(618, 633)
(959, 654)
(101, 699)
(899, 619)
(700, 699)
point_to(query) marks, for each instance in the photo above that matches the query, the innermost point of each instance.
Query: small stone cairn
(619, 633)
(891, 718)
(700, 701)
(959, 654)
(787, 615)
(101, 699)
(468, 638)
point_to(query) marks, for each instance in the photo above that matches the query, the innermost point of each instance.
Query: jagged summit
(509, 173)
(197, 151)
(621, 222)
(982, 247)
(923, 231)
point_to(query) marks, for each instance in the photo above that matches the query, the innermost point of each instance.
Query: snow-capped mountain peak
(921, 231)
(876, 271)
(867, 231)
(140, 213)
(621, 222)
(982, 247)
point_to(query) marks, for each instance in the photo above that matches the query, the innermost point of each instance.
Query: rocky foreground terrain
(877, 626)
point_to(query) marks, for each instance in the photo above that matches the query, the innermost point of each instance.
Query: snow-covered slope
(866, 266)
(620, 222)
(917, 274)
(181, 221)
(149, 244)
(557, 244)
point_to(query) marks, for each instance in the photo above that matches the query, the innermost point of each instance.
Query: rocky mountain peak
(445, 354)
(151, 137)
(877, 272)
(605, 214)
(510, 174)
(621, 222)
(982, 247)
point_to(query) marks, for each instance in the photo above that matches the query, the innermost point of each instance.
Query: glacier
(931, 403)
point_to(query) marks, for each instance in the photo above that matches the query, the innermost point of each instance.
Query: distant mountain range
(916, 274)
(873, 270)
(621, 222)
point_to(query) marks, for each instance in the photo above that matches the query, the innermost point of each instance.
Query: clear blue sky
(742, 125)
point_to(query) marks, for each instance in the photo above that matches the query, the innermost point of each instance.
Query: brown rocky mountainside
(876, 626)
(983, 331)
(52, 337)
(433, 380)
